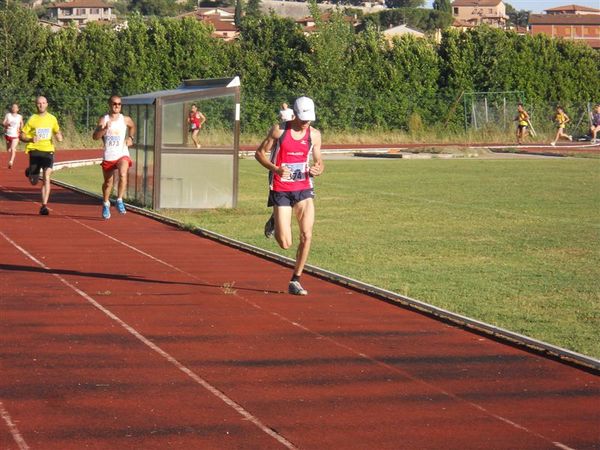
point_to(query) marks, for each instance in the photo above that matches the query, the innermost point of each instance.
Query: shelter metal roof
(188, 86)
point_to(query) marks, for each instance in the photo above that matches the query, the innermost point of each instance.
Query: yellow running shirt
(523, 119)
(43, 127)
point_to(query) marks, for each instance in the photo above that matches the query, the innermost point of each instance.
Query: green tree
(442, 5)
(253, 8)
(518, 18)
(239, 9)
(404, 3)
(22, 44)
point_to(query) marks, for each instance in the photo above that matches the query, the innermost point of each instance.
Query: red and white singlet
(195, 121)
(295, 155)
(114, 139)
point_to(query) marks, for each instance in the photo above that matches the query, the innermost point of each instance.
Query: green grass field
(514, 243)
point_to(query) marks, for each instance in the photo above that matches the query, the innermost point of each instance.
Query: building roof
(219, 11)
(564, 19)
(219, 24)
(82, 4)
(401, 30)
(476, 3)
(573, 8)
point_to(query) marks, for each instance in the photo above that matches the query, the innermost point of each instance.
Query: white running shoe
(553, 144)
(295, 288)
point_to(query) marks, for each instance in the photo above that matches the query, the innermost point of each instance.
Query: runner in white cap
(290, 181)
(118, 133)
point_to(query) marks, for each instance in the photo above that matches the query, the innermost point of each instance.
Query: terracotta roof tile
(564, 19)
(82, 4)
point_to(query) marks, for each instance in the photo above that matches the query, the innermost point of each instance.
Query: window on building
(95, 10)
(80, 11)
(67, 11)
(456, 11)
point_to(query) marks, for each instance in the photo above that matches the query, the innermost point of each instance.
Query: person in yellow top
(561, 119)
(38, 133)
(522, 119)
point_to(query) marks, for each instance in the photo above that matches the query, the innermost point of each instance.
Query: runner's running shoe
(121, 206)
(34, 176)
(106, 212)
(44, 210)
(295, 288)
(270, 227)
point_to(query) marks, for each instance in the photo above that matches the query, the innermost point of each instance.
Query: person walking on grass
(13, 124)
(195, 120)
(38, 133)
(561, 120)
(291, 145)
(522, 120)
(595, 127)
(118, 134)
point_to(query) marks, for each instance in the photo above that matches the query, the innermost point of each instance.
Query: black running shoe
(270, 227)
(34, 176)
(44, 210)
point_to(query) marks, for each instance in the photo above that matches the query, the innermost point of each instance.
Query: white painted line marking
(14, 431)
(199, 380)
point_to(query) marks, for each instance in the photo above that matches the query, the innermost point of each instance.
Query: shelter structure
(168, 170)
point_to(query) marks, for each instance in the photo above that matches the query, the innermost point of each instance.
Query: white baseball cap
(304, 108)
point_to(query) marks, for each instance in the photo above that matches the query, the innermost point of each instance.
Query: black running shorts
(41, 160)
(289, 198)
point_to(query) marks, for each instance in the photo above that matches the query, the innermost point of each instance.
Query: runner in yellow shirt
(561, 119)
(38, 133)
(522, 119)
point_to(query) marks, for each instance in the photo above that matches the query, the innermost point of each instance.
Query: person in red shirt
(291, 145)
(195, 120)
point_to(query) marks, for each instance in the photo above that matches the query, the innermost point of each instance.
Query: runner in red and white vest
(118, 133)
(13, 123)
(195, 120)
(292, 144)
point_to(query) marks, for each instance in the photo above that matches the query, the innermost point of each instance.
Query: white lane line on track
(341, 345)
(14, 431)
(148, 343)
(336, 343)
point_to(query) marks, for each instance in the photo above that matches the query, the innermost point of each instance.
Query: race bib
(113, 141)
(298, 172)
(43, 133)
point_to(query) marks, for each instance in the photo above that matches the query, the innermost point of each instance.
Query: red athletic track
(131, 334)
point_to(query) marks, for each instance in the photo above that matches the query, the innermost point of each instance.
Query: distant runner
(290, 181)
(522, 119)
(118, 134)
(38, 132)
(561, 120)
(195, 120)
(13, 124)
(595, 123)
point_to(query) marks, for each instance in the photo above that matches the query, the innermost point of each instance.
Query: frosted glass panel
(173, 127)
(196, 181)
